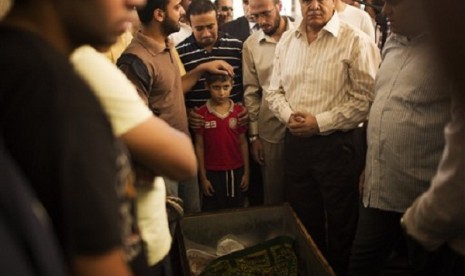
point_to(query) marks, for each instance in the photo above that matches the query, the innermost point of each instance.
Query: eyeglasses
(226, 8)
(264, 14)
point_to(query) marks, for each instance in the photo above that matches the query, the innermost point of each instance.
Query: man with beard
(266, 131)
(185, 29)
(321, 88)
(150, 63)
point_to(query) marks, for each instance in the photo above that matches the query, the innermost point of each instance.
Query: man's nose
(206, 33)
(313, 4)
(260, 20)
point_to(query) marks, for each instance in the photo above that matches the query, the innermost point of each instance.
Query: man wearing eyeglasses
(321, 89)
(266, 132)
(225, 11)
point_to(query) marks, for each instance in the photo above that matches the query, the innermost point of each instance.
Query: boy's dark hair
(146, 12)
(198, 7)
(211, 78)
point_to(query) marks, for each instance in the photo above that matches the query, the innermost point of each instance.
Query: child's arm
(245, 156)
(207, 187)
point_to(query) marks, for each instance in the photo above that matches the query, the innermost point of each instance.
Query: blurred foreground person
(55, 129)
(404, 135)
(437, 218)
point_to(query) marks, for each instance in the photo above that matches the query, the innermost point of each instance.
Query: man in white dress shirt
(321, 88)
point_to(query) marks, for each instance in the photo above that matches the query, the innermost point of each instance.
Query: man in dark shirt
(55, 129)
(207, 44)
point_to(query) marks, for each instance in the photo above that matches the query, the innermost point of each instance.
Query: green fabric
(273, 257)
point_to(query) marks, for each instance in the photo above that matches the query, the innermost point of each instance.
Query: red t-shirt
(221, 138)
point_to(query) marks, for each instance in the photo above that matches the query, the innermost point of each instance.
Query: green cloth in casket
(275, 257)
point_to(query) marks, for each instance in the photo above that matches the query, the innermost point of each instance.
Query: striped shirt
(332, 78)
(226, 48)
(257, 62)
(406, 122)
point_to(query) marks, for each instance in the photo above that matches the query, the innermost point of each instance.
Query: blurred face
(403, 16)
(266, 14)
(316, 13)
(225, 10)
(5, 6)
(173, 14)
(220, 91)
(205, 28)
(97, 22)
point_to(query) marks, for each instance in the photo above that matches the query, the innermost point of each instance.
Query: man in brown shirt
(151, 63)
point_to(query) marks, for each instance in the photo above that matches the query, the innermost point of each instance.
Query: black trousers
(227, 193)
(378, 234)
(322, 175)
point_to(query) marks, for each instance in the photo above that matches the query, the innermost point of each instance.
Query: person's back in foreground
(55, 129)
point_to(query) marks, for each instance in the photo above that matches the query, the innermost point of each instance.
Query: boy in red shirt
(221, 148)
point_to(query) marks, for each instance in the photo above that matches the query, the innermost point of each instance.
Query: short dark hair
(200, 7)
(146, 12)
(211, 78)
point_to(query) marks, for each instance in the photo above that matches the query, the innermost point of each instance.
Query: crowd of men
(361, 132)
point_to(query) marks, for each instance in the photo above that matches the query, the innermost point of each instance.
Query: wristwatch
(253, 138)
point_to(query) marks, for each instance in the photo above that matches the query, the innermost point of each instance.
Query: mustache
(314, 13)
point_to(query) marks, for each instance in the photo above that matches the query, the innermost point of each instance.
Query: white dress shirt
(257, 68)
(332, 78)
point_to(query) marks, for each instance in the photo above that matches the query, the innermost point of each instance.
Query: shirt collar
(221, 35)
(404, 40)
(153, 46)
(332, 26)
(211, 110)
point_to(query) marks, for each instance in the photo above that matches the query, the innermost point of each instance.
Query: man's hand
(303, 124)
(257, 151)
(245, 182)
(243, 117)
(195, 120)
(218, 67)
(207, 187)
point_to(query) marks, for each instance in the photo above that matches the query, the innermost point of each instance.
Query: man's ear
(159, 15)
(207, 87)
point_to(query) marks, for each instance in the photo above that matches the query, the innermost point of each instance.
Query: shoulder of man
(226, 38)
(137, 65)
(185, 45)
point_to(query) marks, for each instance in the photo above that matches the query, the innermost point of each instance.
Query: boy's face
(220, 91)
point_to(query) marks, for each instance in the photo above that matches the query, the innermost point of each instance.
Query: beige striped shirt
(331, 78)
